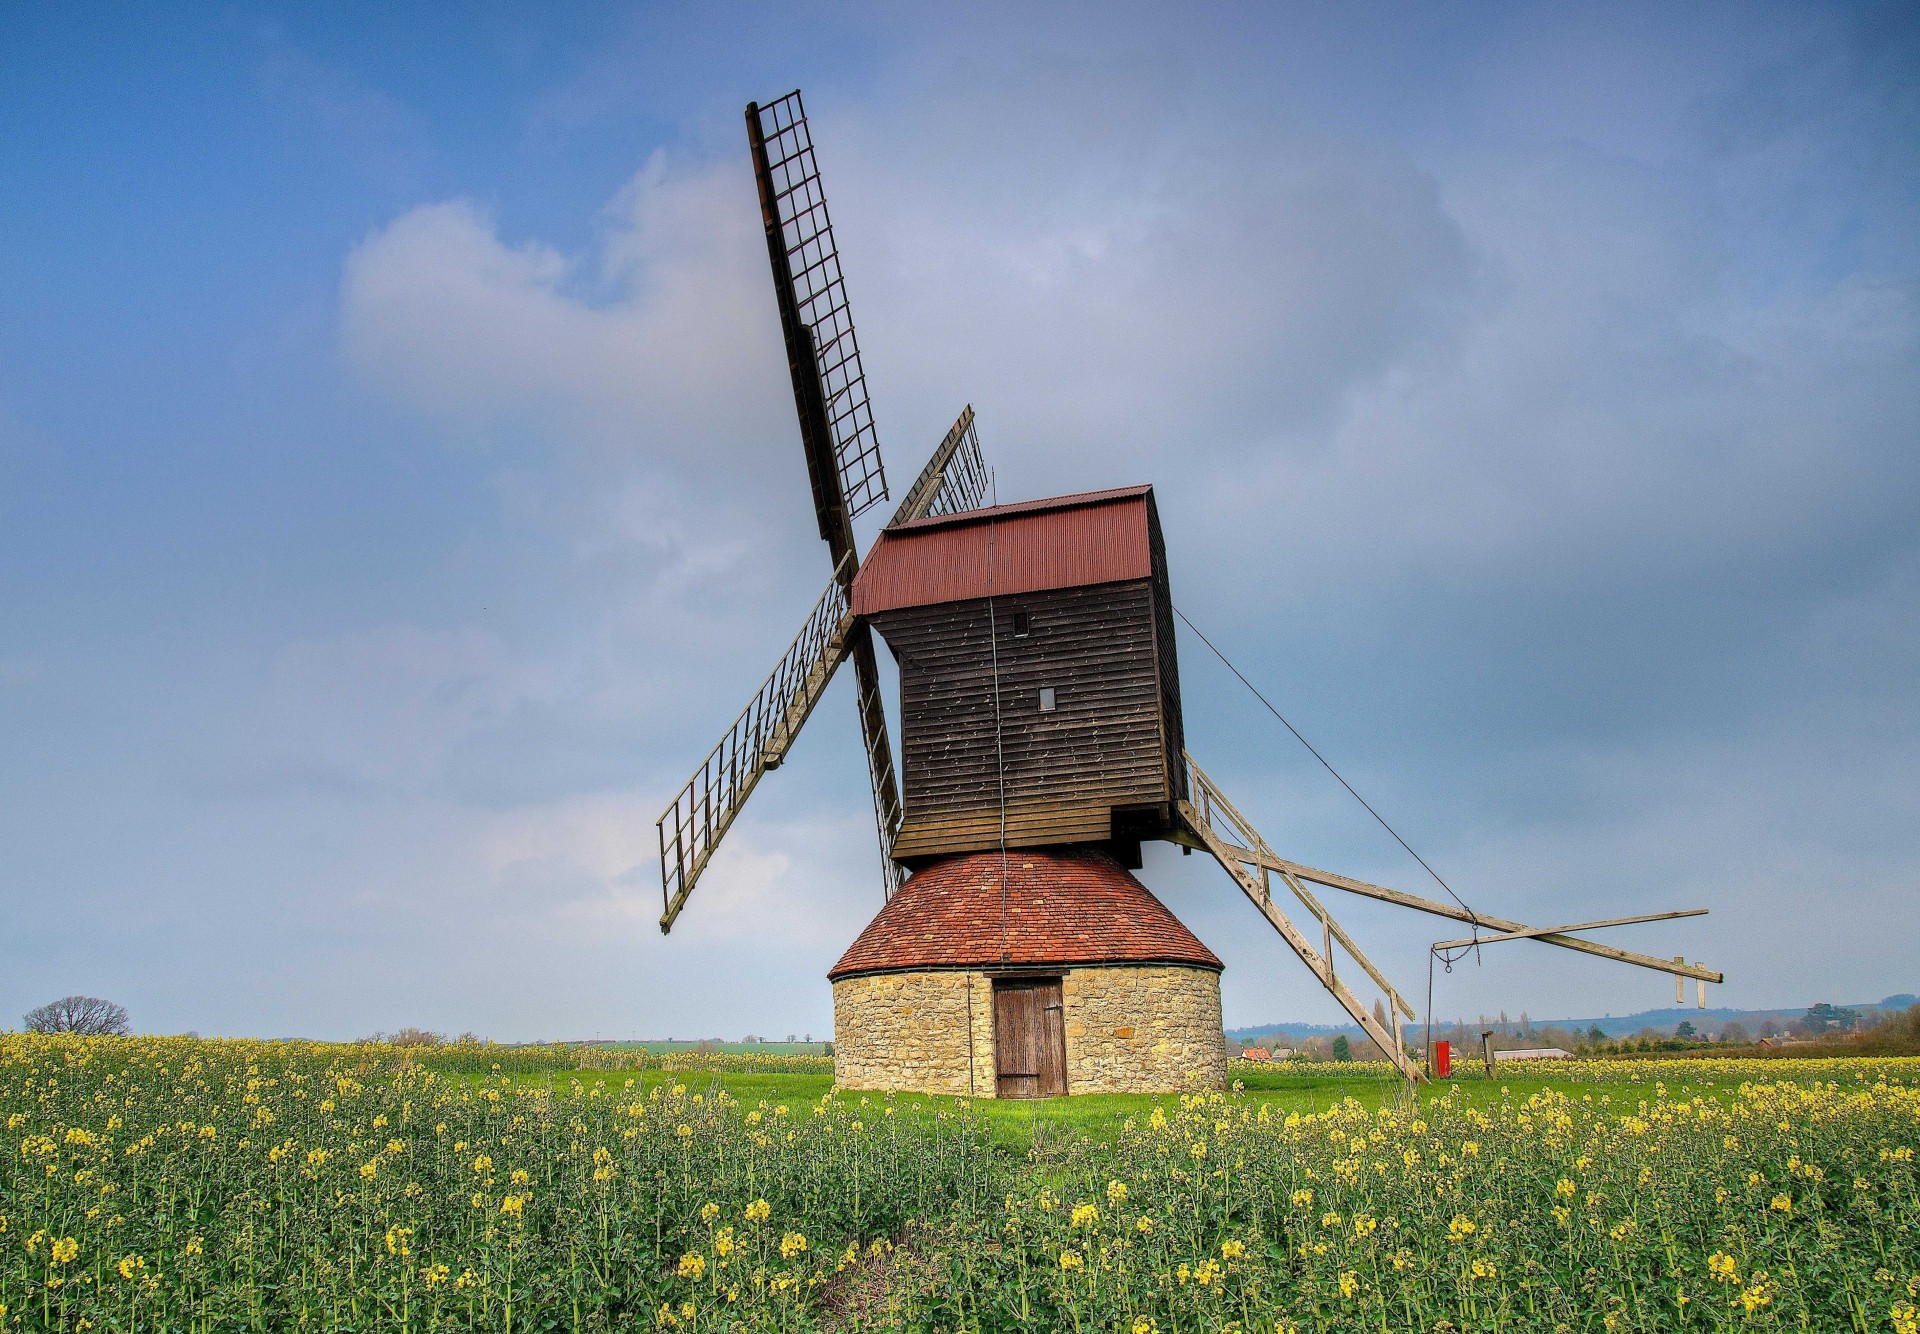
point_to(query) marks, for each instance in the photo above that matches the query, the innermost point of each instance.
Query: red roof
(1060, 907)
(1095, 537)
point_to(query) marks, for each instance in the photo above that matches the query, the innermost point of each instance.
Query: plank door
(1029, 1038)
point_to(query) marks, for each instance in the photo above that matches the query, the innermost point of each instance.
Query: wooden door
(1029, 1038)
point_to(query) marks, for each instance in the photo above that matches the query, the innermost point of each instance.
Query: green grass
(1018, 1125)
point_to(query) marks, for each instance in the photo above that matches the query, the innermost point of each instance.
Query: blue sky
(399, 492)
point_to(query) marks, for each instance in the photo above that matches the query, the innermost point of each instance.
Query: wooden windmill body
(1042, 742)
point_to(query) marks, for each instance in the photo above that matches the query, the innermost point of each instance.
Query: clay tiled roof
(1061, 907)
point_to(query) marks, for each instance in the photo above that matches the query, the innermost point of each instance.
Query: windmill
(1042, 744)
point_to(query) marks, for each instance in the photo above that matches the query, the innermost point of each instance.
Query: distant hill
(1614, 1026)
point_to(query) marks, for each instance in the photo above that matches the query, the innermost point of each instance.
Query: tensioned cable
(1330, 769)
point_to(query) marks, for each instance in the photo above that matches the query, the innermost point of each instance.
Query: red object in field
(1443, 1059)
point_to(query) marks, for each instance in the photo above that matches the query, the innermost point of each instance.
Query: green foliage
(158, 1184)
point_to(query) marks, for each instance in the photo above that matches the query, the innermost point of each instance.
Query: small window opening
(1020, 625)
(1046, 699)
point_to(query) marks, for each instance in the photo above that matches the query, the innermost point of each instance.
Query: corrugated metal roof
(1070, 908)
(1095, 537)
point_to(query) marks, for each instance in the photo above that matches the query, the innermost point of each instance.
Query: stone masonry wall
(1129, 1030)
(909, 1031)
(1143, 1030)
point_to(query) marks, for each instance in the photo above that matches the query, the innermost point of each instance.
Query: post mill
(1016, 954)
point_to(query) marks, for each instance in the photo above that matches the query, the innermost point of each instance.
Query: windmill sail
(693, 825)
(954, 479)
(823, 353)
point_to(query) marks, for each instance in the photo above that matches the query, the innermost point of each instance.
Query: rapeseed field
(178, 1184)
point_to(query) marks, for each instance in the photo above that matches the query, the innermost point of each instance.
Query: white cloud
(636, 348)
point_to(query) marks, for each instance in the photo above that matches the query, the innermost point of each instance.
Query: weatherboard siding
(1104, 745)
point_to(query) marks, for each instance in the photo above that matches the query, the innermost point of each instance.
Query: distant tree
(87, 1015)
(1596, 1034)
(1826, 1018)
(1342, 1049)
(1684, 1029)
(1769, 1029)
(1733, 1031)
(417, 1037)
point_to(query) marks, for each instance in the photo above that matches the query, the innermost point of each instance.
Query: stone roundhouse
(1064, 976)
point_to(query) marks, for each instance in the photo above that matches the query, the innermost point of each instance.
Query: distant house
(1256, 1054)
(1282, 1053)
(1534, 1054)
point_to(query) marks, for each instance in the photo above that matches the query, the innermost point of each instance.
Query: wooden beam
(1322, 968)
(1459, 914)
(1536, 931)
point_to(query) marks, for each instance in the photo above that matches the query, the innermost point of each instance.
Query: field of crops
(173, 1184)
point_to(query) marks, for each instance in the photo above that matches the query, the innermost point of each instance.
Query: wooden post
(1486, 1049)
(1700, 994)
(1679, 982)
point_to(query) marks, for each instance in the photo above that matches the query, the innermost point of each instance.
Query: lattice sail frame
(821, 297)
(698, 818)
(955, 478)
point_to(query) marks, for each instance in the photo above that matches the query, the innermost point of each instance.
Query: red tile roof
(1095, 537)
(1076, 907)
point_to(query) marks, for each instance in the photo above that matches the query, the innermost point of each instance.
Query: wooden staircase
(1212, 823)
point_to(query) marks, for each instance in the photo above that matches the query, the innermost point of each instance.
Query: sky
(400, 492)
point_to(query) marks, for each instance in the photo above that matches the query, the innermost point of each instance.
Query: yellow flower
(1460, 1228)
(1483, 1269)
(1303, 1199)
(1349, 1283)
(708, 1211)
(1564, 1188)
(1198, 1148)
(1146, 1325)
(1782, 1203)
(1364, 1225)
(759, 1211)
(1756, 1296)
(131, 1267)
(512, 1205)
(693, 1265)
(1722, 1268)
(1233, 1250)
(1071, 1260)
(1085, 1215)
(64, 1250)
(369, 1169)
(1116, 1192)
(723, 1243)
(1145, 1224)
(791, 1245)
(482, 1164)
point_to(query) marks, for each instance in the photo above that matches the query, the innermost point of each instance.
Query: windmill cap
(1074, 906)
(1094, 537)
